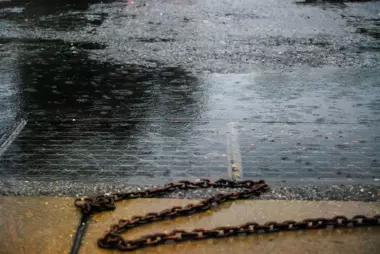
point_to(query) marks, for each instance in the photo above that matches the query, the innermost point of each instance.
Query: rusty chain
(114, 239)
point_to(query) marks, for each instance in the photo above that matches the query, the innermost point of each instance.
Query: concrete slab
(37, 225)
(47, 225)
(363, 240)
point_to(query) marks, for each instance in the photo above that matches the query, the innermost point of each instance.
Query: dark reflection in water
(9, 96)
(87, 117)
(370, 27)
(331, 1)
(35, 44)
(61, 81)
(46, 7)
(57, 14)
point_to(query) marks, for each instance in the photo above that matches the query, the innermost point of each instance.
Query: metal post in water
(235, 167)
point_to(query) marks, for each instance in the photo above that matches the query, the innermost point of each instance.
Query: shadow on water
(47, 7)
(57, 14)
(336, 2)
(33, 44)
(60, 81)
(9, 96)
(370, 27)
(330, 4)
(367, 26)
(85, 116)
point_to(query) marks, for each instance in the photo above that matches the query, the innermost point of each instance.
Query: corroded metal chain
(114, 239)
(102, 203)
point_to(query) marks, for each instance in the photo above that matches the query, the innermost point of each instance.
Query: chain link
(114, 239)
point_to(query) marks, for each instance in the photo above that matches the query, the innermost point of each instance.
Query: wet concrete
(321, 241)
(37, 225)
(47, 225)
(143, 91)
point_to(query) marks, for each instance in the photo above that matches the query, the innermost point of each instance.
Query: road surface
(143, 91)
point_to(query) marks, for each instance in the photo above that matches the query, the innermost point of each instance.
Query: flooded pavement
(217, 36)
(142, 91)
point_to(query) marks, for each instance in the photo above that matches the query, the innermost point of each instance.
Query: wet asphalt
(126, 93)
